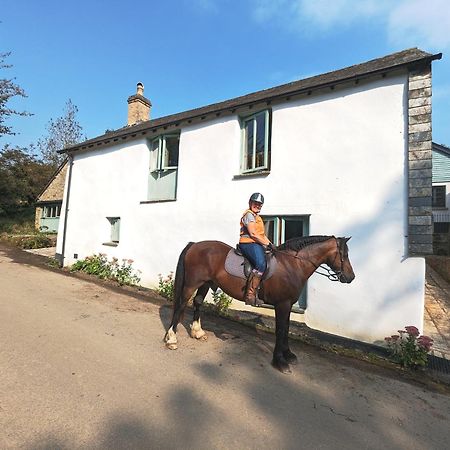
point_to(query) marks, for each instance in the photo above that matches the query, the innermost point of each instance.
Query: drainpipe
(66, 213)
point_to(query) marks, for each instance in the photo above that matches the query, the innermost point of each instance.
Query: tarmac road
(83, 366)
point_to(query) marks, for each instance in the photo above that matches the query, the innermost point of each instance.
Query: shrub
(99, 266)
(408, 348)
(166, 286)
(30, 241)
(221, 300)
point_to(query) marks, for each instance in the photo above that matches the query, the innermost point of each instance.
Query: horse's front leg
(282, 356)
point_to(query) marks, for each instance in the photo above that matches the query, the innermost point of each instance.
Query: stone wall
(441, 264)
(420, 225)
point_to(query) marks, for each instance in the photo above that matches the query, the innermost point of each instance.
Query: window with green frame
(280, 229)
(162, 182)
(256, 142)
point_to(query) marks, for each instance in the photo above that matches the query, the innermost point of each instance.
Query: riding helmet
(257, 197)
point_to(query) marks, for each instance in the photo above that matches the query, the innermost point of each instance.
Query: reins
(331, 275)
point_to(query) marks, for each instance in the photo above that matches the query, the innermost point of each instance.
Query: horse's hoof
(200, 335)
(171, 346)
(290, 358)
(282, 366)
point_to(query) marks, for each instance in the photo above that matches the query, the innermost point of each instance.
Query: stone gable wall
(420, 225)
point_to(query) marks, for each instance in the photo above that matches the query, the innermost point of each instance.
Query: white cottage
(346, 153)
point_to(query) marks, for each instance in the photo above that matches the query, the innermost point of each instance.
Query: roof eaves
(389, 63)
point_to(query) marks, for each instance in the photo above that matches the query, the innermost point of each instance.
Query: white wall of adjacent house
(339, 156)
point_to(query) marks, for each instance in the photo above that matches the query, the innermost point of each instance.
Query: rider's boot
(251, 290)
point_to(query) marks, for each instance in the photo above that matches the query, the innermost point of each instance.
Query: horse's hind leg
(170, 337)
(196, 328)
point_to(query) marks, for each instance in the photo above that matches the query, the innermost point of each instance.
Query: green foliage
(166, 286)
(22, 178)
(221, 300)
(408, 348)
(37, 240)
(8, 90)
(99, 266)
(18, 220)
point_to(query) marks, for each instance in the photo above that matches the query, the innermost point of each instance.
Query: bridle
(330, 273)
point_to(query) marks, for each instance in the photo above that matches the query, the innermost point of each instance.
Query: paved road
(84, 367)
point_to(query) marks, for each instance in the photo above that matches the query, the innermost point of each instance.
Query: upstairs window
(255, 142)
(438, 197)
(162, 183)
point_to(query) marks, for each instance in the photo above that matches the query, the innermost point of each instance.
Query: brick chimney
(138, 106)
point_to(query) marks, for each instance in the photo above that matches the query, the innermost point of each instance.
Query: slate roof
(406, 58)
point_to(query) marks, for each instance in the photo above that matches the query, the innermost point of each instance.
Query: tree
(22, 178)
(8, 90)
(62, 133)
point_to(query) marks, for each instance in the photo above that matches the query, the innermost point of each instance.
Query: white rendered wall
(339, 157)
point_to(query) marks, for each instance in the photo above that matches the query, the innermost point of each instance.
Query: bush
(99, 266)
(408, 348)
(37, 240)
(221, 300)
(166, 286)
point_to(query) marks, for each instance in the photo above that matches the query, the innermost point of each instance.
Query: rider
(253, 243)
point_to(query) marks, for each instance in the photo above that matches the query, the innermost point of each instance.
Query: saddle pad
(234, 265)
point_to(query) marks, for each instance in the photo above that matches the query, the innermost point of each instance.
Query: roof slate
(405, 58)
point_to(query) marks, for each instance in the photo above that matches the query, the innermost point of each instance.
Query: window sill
(111, 244)
(157, 201)
(260, 173)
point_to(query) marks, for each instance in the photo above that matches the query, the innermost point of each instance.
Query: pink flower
(412, 331)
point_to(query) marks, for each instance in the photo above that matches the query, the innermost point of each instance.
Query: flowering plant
(166, 286)
(409, 348)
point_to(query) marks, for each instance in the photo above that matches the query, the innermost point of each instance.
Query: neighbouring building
(49, 202)
(441, 199)
(345, 153)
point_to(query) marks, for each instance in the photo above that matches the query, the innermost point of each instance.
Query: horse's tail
(179, 278)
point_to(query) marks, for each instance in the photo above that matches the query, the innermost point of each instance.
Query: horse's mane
(296, 244)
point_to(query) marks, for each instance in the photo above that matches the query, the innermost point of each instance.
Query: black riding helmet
(257, 197)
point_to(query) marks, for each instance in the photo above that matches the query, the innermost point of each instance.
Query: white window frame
(244, 140)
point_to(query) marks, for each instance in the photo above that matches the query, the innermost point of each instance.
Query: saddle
(238, 266)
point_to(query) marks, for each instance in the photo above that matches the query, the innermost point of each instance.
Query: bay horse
(201, 266)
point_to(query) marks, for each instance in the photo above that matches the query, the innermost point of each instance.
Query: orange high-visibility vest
(245, 237)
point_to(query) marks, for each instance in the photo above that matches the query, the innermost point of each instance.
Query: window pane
(171, 151)
(248, 143)
(441, 227)
(269, 228)
(292, 229)
(154, 155)
(260, 139)
(439, 196)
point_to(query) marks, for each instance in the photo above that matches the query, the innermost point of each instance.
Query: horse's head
(340, 263)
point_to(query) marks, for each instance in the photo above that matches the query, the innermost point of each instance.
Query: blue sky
(190, 53)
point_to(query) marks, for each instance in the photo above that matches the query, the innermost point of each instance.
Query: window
(280, 229)
(115, 229)
(162, 184)
(438, 196)
(441, 227)
(256, 142)
(52, 211)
